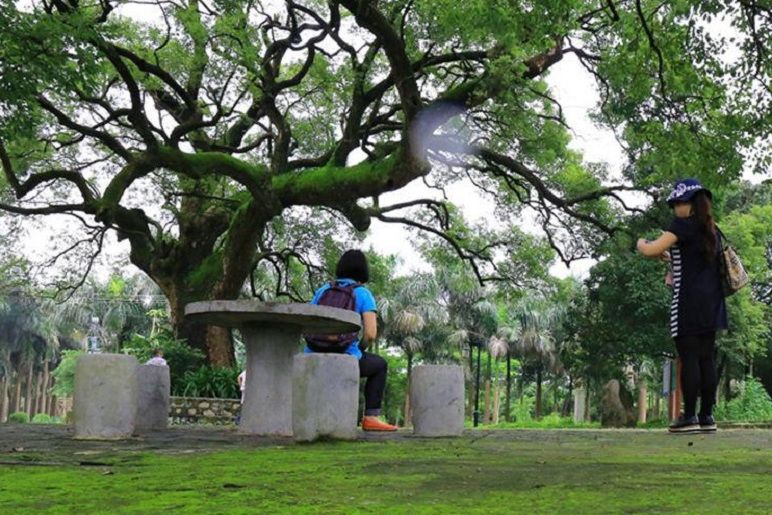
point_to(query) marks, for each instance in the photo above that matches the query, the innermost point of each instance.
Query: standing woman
(697, 309)
(351, 274)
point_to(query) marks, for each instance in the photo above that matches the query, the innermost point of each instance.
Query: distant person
(242, 380)
(157, 359)
(348, 288)
(697, 309)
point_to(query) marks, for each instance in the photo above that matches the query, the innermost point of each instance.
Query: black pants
(698, 372)
(374, 368)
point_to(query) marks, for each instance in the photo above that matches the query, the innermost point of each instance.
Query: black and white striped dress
(697, 306)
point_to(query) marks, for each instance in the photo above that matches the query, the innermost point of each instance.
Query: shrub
(43, 418)
(64, 374)
(180, 357)
(19, 417)
(207, 381)
(751, 405)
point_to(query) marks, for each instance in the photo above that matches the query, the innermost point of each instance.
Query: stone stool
(153, 390)
(105, 399)
(325, 396)
(437, 400)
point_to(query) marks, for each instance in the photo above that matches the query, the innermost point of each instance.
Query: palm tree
(537, 321)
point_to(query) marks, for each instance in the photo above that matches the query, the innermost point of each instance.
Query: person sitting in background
(157, 359)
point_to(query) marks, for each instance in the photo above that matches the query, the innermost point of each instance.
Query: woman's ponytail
(703, 213)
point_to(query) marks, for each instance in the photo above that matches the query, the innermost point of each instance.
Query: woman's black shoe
(685, 425)
(707, 424)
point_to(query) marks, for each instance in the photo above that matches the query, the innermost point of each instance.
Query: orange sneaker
(375, 424)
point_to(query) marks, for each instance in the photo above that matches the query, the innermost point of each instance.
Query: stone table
(271, 332)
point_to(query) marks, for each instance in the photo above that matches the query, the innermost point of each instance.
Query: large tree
(191, 132)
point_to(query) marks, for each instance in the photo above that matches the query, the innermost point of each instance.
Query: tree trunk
(507, 412)
(37, 401)
(4, 400)
(496, 402)
(29, 403)
(642, 401)
(487, 402)
(587, 413)
(17, 394)
(408, 418)
(44, 390)
(538, 393)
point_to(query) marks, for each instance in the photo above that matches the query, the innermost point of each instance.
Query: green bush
(180, 357)
(751, 405)
(19, 417)
(207, 381)
(64, 374)
(551, 421)
(43, 418)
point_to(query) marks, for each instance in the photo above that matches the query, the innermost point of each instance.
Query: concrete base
(267, 408)
(154, 388)
(105, 398)
(325, 396)
(437, 400)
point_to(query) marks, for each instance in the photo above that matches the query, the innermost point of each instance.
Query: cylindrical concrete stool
(154, 385)
(437, 400)
(325, 396)
(105, 399)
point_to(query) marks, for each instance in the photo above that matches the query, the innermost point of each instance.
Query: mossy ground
(512, 471)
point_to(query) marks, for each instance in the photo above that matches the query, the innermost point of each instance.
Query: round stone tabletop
(238, 313)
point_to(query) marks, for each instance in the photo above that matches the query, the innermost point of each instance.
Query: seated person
(347, 291)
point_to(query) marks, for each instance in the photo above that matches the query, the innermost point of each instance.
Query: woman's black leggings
(698, 372)
(374, 368)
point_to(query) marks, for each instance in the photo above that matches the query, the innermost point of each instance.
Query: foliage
(209, 381)
(551, 421)
(20, 417)
(64, 373)
(753, 404)
(396, 384)
(180, 357)
(44, 418)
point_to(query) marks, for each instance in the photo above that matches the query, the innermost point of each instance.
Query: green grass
(493, 472)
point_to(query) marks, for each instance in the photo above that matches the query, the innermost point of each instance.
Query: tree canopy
(189, 127)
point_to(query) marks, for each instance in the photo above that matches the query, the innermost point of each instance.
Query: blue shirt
(364, 301)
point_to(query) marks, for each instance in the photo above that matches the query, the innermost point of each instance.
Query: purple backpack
(336, 296)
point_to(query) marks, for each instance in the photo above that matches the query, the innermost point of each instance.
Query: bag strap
(723, 237)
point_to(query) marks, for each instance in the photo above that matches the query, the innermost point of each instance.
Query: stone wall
(201, 410)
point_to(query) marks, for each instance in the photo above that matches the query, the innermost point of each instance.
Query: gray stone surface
(309, 318)
(272, 335)
(267, 408)
(105, 398)
(437, 400)
(325, 396)
(153, 391)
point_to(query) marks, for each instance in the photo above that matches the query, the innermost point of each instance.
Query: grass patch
(493, 472)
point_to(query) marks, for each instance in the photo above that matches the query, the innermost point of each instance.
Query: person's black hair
(703, 213)
(353, 265)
